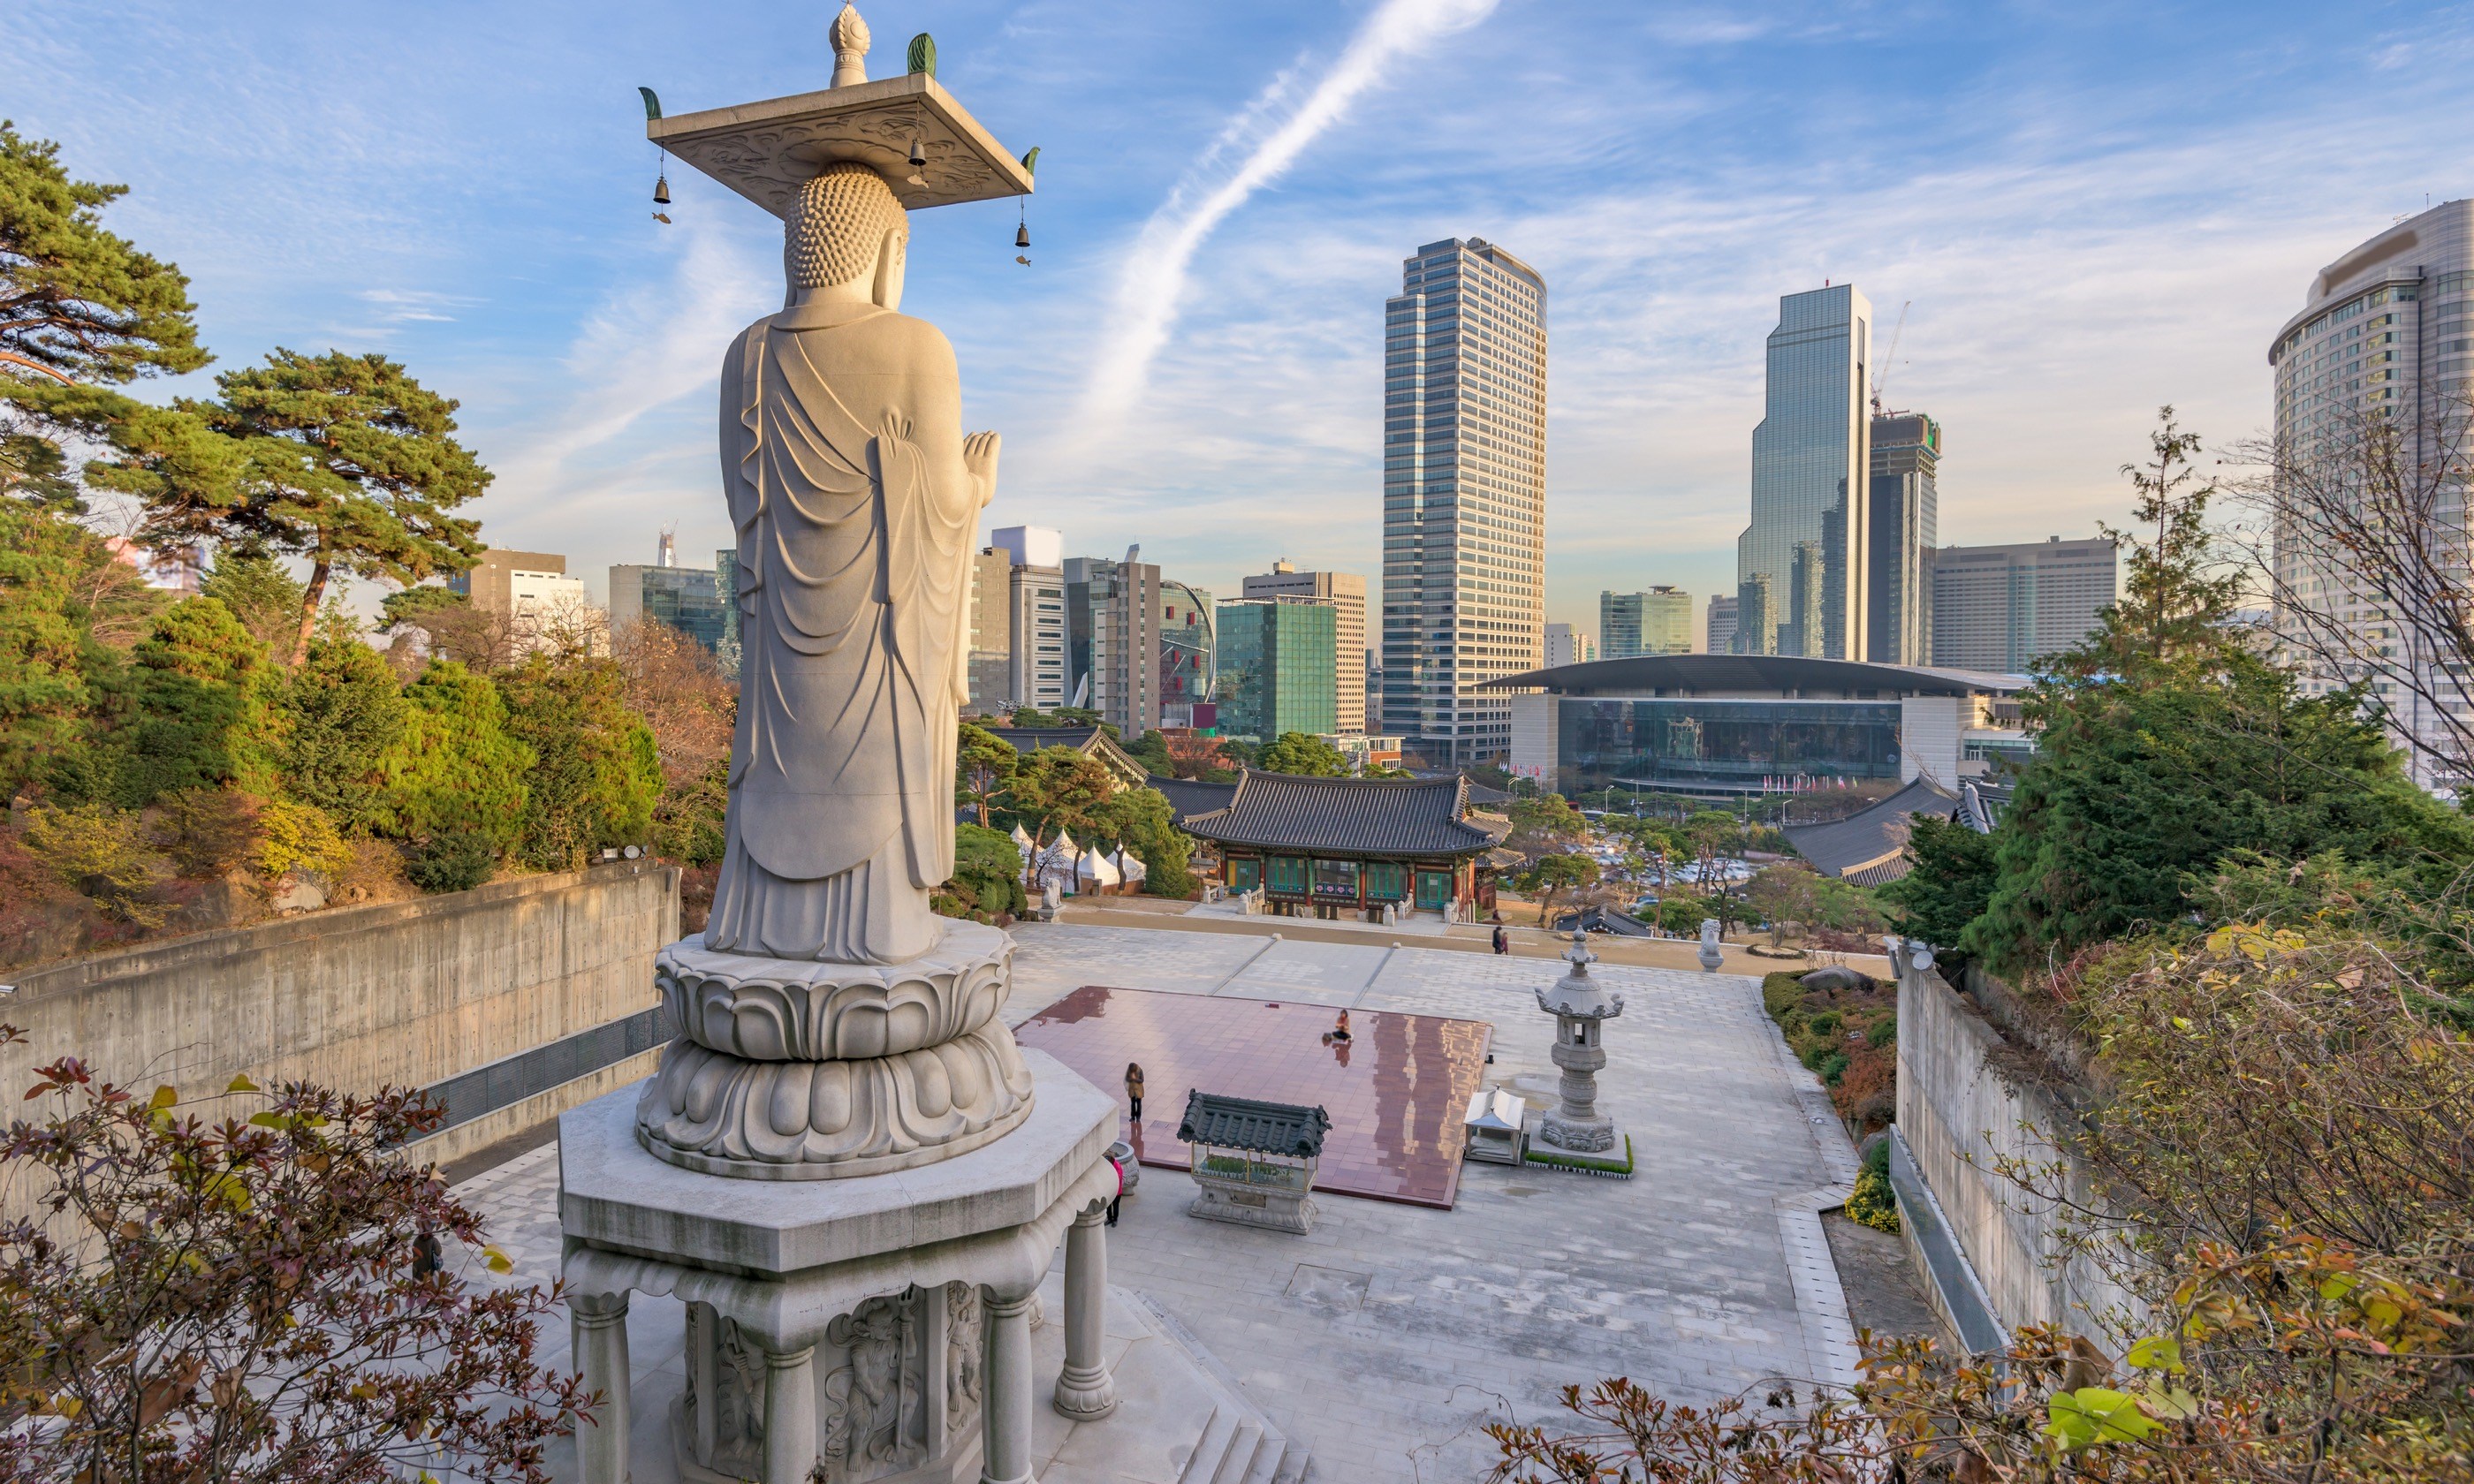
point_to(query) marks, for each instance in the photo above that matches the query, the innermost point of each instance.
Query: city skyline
(2087, 228)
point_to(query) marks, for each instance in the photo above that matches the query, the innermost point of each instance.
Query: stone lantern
(1580, 1006)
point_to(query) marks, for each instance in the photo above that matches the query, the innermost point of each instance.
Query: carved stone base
(786, 1010)
(722, 1114)
(1595, 1136)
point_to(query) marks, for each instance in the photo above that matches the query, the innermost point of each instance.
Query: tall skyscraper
(1188, 651)
(1812, 452)
(1346, 592)
(1757, 622)
(1464, 495)
(1906, 453)
(1722, 624)
(2002, 607)
(1655, 622)
(2381, 332)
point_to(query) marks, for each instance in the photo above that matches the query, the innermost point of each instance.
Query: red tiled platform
(1396, 1092)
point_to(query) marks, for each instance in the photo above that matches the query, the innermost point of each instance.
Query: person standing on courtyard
(1119, 1199)
(1502, 939)
(1135, 1090)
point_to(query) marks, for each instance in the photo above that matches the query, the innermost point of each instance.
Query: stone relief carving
(739, 1431)
(961, 1353)
(863, 1396)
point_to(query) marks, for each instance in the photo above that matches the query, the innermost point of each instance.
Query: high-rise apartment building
(1907, 456)
(1346, 592)
(1811, 457)
(1112, 614)
(1722, 624)
(1655, 622)
(1567, 645)
(1018, 611)
(2002, 607)
(1464, 495)
(2383, 336)
(1276, 668)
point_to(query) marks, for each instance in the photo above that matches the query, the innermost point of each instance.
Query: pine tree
(343, 717)
(81, 311)
(343, 459)
(198, 707)
(43, 688)
(260, 593)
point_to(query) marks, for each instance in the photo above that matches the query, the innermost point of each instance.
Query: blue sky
(2093, 208)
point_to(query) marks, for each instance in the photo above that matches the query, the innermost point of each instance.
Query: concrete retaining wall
(1959, 1117)
(399, 994)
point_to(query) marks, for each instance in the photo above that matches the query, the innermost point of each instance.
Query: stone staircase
(1239, 1445)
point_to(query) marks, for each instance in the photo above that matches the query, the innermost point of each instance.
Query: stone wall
(398, 994)
(1961, 1113)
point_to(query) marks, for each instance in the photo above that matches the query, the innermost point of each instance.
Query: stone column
(1005, 1393)
(1085, 1389)
(789, 1415)
(598, 1325)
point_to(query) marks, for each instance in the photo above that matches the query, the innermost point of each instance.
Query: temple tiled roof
(1258, 1128)
(1091, 740)
(1870, 847)
(1346, 816)
(1191, 796)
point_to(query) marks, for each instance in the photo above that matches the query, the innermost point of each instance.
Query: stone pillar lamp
(1575, 1130)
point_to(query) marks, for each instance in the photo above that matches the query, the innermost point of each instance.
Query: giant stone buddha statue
(856, 496)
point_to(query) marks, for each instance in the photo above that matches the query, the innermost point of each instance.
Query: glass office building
(1464, 495)
(698, 603)
(1729, 747)
(1812, 448)
(1655, 622)
(1276, 668)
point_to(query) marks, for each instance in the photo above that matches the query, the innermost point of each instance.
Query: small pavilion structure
(1254, 1161)
(1334, 847)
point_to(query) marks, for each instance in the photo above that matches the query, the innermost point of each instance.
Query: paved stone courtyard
(1386, 1338)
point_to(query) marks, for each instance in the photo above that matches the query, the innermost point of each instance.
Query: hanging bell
(1022, 235)
(662, 190)
(918, 153)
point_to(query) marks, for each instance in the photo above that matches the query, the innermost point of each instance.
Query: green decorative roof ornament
(923, 53)
(1030, 161)
(652, 106)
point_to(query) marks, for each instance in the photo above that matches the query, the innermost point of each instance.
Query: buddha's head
(846, 232)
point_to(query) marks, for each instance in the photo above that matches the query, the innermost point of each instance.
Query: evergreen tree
(1141, 820)
(984, 764)
(344, 459)
(196, 709)
(458, 769)
(2178, 598)
(81, 311)
(343, 718)
(2138, 790)
(597, 772)
(43, 689)
(260, 593)
(1300, 752)
(1948, 884)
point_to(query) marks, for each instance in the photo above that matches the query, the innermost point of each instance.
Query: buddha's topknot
(835, 225)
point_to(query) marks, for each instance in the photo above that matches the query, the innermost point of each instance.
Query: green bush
(1882, 1032)
(343, 715)
(1780, 994)
(1832, 1067)
(456, 861)
(1827, 1023)
(458, 766)
(1873, 1204)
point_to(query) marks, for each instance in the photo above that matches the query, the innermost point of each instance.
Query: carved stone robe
(842, 456)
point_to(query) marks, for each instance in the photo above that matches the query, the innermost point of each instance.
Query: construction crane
(1881, 366)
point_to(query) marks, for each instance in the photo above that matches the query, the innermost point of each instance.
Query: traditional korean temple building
(1329, 847)
(1089, 741)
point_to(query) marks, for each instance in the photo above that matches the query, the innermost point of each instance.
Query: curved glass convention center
(1688, 746)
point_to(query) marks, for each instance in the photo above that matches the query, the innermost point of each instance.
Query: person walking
(1135, 1089)
(1502, 939)
(1119, 1199)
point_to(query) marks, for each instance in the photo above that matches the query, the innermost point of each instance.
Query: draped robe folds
(841, 457)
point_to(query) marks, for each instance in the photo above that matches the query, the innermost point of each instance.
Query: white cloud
(1153, 275)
